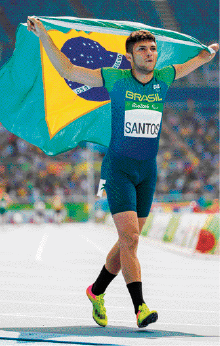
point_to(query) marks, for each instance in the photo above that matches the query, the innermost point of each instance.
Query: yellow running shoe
(145, 316)
(99, 311)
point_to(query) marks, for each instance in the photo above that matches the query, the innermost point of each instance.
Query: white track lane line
(89, 319)
(41, 247)
(107, 306)
(17, 314)
(94, 245)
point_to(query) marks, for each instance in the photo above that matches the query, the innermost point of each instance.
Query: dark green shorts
(130, 184)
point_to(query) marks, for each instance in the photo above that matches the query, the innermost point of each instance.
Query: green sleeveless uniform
(129, 168)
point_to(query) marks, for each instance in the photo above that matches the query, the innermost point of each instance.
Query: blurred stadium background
(188, 159)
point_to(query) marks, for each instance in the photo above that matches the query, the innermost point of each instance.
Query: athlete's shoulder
(166, 74)
(111, 75)
(115, 71)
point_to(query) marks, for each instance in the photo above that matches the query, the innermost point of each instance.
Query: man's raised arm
(191, 65)
(59, 60)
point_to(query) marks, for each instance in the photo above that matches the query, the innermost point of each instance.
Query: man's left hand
(206, 55)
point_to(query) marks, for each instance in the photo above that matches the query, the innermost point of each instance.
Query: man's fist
(35, 26)
(206, 55)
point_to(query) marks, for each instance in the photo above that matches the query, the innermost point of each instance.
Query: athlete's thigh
(145, 194)
(126, 223)
(121, 193)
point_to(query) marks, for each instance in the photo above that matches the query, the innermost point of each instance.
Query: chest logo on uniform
(142, 119)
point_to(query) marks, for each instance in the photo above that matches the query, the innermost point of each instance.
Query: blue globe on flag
(84, 52)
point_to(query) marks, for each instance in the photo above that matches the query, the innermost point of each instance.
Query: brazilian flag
(56, 114)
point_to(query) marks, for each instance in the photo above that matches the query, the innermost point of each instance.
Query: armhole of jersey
(174, 72)
(103, 80)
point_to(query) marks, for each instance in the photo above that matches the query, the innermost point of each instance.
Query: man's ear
(128, 56)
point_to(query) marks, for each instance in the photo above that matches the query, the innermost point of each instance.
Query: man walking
(129, 168)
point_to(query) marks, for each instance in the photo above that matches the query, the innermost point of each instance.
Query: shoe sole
(149, 319)
(101, 325)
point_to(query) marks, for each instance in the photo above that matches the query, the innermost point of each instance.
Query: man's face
(144, 56)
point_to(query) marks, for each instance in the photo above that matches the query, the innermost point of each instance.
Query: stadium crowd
(187, 166)
(28, 174)
(198, 128)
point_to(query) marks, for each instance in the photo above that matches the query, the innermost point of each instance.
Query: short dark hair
(137, 36)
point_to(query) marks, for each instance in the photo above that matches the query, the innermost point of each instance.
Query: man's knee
(129, 240)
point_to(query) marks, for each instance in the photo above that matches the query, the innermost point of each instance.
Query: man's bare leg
(123, 256)
(113, 262)
(128, 231)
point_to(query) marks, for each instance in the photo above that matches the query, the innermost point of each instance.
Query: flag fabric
(56, 114)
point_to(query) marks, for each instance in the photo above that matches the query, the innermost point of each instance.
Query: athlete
(129, 167)
(40, 211)
(4, 202)
(58, 206)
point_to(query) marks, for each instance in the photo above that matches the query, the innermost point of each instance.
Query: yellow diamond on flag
(62, 104)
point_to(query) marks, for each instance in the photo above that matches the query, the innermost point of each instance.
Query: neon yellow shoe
(145, 316)
(99, 311)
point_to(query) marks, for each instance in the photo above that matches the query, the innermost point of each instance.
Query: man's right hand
(61, 63)
(34, 25)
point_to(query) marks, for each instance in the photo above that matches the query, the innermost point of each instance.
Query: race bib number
(142, 119)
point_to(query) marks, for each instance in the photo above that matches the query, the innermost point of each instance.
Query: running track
(45, 270)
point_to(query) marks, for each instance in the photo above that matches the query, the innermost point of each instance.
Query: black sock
(102, 281)
(135, 290)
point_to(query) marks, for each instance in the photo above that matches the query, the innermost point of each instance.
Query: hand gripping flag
(56, 114)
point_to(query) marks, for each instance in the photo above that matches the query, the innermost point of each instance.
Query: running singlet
(136, 111)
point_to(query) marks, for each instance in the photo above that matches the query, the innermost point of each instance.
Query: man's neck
(142, 77)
